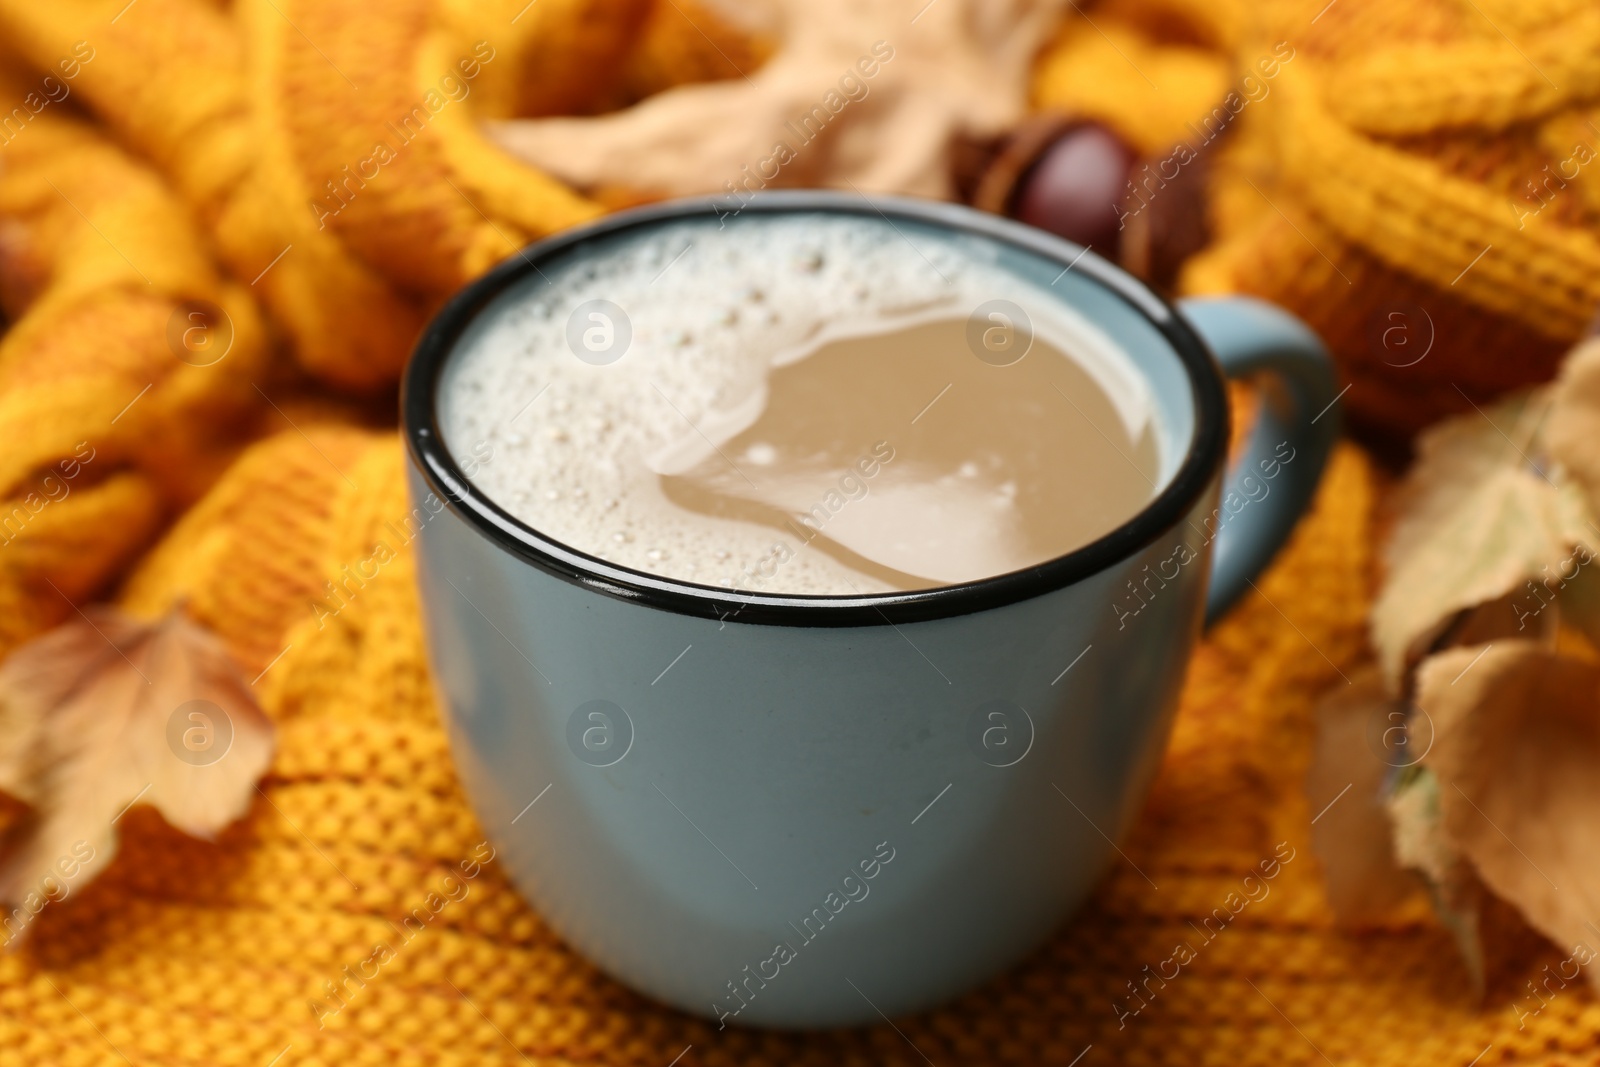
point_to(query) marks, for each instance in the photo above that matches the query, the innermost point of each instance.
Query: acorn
(1081, 180)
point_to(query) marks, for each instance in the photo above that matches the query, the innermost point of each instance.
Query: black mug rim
(1195, 474)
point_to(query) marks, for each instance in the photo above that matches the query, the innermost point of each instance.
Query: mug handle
(1277, 472)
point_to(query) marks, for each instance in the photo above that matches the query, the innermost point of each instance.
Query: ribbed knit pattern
(204, 131)
(1402, 157)
(189, 952)
(103, 429)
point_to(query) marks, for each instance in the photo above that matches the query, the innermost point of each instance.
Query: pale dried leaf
(1420, 844)
(1479, 519)
(1523, 614)
(1573, 432)
(960, 70)
(1360, 741)
(55, 665)
(106, 711)
(1517, 756)
(1572, 436)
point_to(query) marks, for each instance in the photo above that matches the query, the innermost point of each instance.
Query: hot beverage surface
(806, 405)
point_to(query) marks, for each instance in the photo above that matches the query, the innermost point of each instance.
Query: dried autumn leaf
(1361, 738)
(1479, 521)
(813, 114)
(107, 711)
(1517, 757)
(1421, 845)
(1573, 433)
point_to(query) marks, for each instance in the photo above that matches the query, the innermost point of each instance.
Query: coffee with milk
(802, 405)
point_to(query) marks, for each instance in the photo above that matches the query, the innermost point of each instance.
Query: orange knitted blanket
(158, 184)
(241, 951)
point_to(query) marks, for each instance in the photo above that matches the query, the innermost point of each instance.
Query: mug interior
(1180, 381)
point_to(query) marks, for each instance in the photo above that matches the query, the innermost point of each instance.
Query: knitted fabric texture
(100, 262)
(1419, 177)
(1419, 187)
(231, 184)
(231, 952)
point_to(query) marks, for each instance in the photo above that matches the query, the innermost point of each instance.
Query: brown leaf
(1573, 432)
(107, 711)
(1573, 438)
(1479, 520)
(1421, 845)
(812, 115)
(1517, 756)
(1362, 738)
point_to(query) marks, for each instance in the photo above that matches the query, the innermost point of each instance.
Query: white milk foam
(541, 431)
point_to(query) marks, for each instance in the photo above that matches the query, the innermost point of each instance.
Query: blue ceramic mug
(852, 806)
